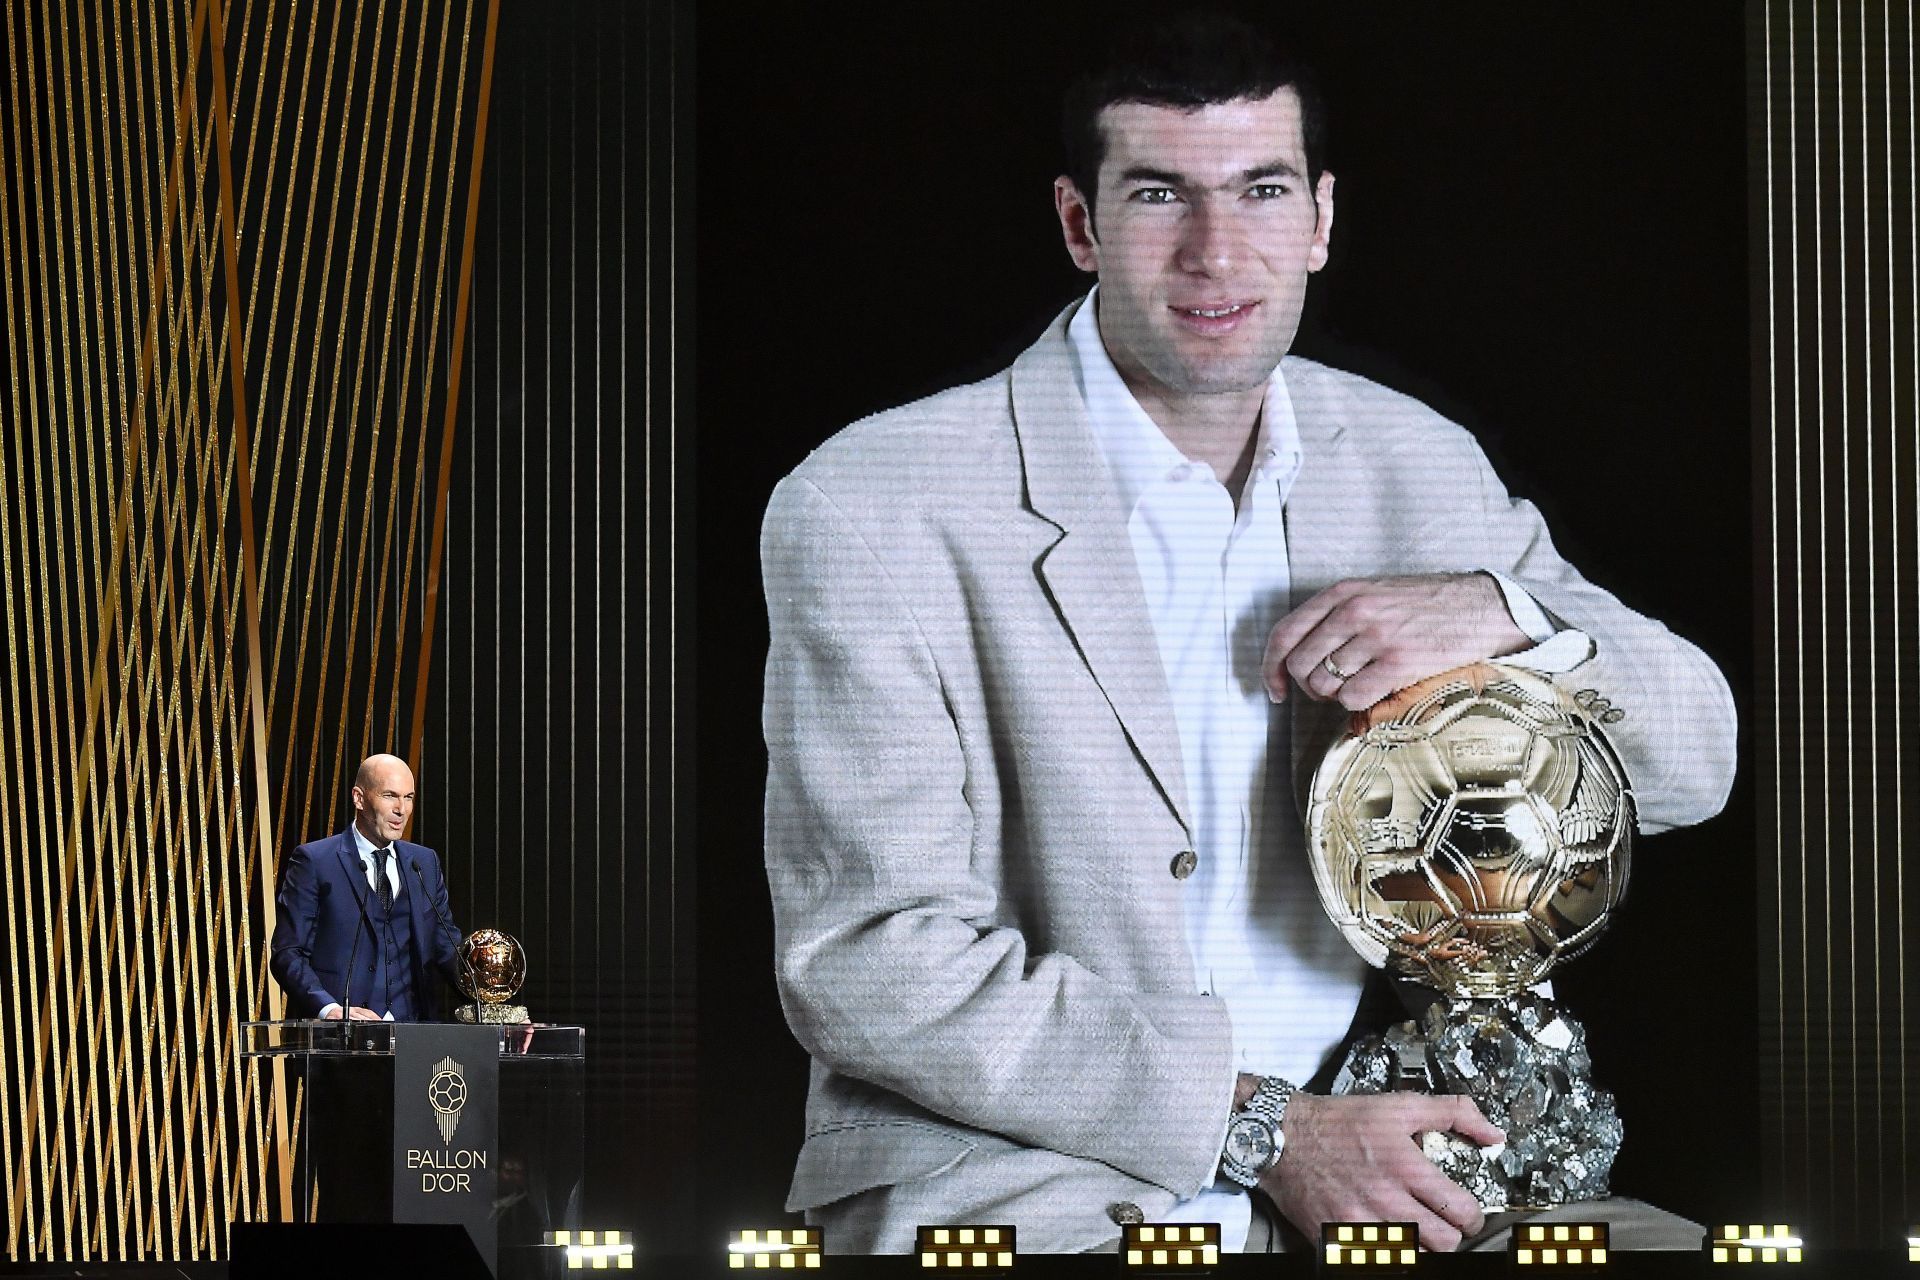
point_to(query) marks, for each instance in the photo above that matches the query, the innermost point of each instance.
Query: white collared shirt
(1216, 581)
(368, 862)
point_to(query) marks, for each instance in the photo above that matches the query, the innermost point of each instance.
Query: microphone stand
(458, 953)
(353, 954)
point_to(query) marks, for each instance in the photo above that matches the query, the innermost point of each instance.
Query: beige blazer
(975, 794)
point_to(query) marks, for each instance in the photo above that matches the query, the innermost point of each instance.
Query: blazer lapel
(417, 905)
(1321, 505)
(1322, 502)
(356, 874)
(1090, 572)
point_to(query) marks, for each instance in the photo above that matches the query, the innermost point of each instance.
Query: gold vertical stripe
(361, 741)
(460, 308)
(242, 455)
(19, 907)
(359, 504)
(144, 262)
(103, 918)
(51, 604)
(1899, 736)
(286, 602)
(319, 758)
(110, 297)
(398, 654)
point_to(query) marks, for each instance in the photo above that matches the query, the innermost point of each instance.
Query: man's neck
(1219, 430)
(369, 837)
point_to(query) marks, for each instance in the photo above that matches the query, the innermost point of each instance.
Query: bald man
(367, 899)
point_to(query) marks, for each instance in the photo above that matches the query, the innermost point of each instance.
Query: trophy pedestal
(1523, 1060)
(494, 1014)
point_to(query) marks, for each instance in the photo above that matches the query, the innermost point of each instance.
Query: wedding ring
(1334, 671)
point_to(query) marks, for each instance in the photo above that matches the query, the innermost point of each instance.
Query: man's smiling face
(1203, 233)
(383, 799)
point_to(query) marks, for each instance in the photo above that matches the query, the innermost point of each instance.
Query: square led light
(1375, 1246)
(1166, 1247)
(775, 1249)
(1561, 1245)
(1913, 1244)
(1754, 1243)
(594, 1250)
(977, 1249)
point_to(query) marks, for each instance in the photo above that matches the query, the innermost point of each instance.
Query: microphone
(452, 928)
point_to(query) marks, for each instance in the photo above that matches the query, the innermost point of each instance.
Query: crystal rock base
(508, 1014)
(1524, 1061)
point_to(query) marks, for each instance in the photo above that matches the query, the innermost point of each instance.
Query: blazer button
(1124, 1213)
(1183, 864)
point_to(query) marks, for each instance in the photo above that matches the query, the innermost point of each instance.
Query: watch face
(1250, 1142)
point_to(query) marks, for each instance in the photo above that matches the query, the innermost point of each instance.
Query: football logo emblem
(447, 1092)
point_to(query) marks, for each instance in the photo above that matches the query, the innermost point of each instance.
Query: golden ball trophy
(492, 970)
(1471, 834)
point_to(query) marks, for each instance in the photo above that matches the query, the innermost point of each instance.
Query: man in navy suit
(368, 899)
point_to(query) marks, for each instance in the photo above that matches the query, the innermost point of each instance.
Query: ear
(1322, 222)
(1076, 224)
(359, 800)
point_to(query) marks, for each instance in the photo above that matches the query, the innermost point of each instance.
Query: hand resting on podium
(332, 1014)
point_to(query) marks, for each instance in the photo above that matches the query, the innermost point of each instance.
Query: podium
(433, 1122)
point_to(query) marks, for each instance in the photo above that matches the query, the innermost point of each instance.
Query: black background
(1540, 230)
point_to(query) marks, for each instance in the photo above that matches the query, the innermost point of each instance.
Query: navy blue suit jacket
(324, 902)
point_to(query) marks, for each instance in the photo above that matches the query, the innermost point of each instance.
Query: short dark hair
(1191, 60)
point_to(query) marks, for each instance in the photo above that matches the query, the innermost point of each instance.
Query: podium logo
(447, 1092)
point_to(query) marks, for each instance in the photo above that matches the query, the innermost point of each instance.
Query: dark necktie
(380, 857)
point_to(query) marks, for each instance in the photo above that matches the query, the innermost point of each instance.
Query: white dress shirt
(1216, 581)
(369, 861)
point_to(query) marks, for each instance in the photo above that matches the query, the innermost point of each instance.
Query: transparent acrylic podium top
(337, 1036)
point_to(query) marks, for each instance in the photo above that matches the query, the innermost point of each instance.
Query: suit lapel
(417, 905)
(1321, 506)
(1090, 573)
(1324, 498)
(356, 873)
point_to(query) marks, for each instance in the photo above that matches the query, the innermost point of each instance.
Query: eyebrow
(1147, 173)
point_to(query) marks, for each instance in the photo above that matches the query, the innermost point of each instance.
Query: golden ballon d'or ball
(1472, 832)
(492, 970)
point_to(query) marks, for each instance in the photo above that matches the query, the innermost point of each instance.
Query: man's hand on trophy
(1358, 1159)
(1363, 638)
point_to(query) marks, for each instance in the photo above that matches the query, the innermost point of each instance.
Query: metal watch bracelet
(1254, 1137)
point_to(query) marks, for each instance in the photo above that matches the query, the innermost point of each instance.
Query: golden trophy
(1471, 834)
(492, 971)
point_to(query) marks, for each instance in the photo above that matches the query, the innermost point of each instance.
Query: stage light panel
(1913, 1244)
(1173, 1246)
(975, 1249)
(1374, 1246)
(1560, 1245)
(1736, 1244)
(594, 1250)
(775, 1249)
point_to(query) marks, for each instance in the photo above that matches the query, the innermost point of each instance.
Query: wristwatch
(1254, 1138)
